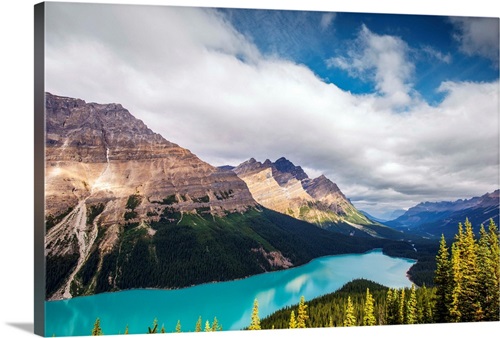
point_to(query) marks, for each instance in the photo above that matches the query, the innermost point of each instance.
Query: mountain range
(286, 188)
(431, 219)
(125, 208)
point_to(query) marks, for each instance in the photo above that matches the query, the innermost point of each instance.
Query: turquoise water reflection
(231, 302)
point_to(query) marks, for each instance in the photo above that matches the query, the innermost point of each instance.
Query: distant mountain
(125, 208)
(373, 218)
(286, 188)
(395, 214)
(431, 219)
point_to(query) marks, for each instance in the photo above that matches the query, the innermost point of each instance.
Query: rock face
(106, 169)
(101, 152)
(286, 188)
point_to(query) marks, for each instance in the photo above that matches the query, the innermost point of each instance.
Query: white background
(16, 164)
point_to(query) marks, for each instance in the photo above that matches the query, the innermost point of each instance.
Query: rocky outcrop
(100, 152)
(286, 188)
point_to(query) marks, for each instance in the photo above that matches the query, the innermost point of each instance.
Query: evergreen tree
(390, 305)
(178, 327)
(255, 321)
(442, 280)
(411, 307)
(470, 305)
(155, 327)
(126, 329)
(293, 322)
(208, 328)
(350, 318)
(368, 311)
(401, 308)
(97, 331)
(426, 307)
(492, 301)
(162, 328)
(198, 325)
(455, 285)
(330, 322)
(302, 314)
(215, 325)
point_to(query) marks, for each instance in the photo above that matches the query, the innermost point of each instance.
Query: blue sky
(396, 109)
(312, 38)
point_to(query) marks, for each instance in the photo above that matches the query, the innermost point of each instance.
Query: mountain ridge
(286, 188)
(125, 208)
(431, 219)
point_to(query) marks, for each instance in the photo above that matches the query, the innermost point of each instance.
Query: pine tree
(178, 327)
(126, 329)
(401, 308)
(349, 319)
(97, 331)
(255, 321)
(302, 315)
(492, 305)
(471, 307)
(155, 327)
(426, 312)
(293, 322)
(215, 325)
(330, 322)
(455, 285)
(368, 311)
(390, 306)
(208, 328)
(411, 307)
(198, 325)
(442, 279)
(162, 329)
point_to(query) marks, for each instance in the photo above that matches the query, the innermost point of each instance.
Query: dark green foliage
(154, 328)
(189, 249)
(169, 200)
(57, 269)
(331, 307)
(133, 201)
(129, 215)
(107, 270)
(51, 220)
(468, 279)
(89, 269)
(93, 211)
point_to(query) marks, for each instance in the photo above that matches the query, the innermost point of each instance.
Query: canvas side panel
(39, 170)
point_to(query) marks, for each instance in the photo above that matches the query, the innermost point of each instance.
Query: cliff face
(105, 169)
(286, 188)
(101, 152)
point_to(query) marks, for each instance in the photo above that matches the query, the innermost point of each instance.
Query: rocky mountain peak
(283, 166)
(102, 153)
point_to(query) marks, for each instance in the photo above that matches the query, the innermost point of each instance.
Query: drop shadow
(27, 327)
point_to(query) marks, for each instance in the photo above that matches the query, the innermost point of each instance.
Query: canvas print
(218, 169)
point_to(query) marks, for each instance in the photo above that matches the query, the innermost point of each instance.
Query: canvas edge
(39, 169)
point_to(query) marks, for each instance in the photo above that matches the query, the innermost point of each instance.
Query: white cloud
(326, 20)
(478, 36)
(446, 58)
(207, 88)
(383, 60)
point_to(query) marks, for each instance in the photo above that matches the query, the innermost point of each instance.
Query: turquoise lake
(231, 302)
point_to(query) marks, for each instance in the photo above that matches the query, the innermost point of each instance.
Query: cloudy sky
(395, 109)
